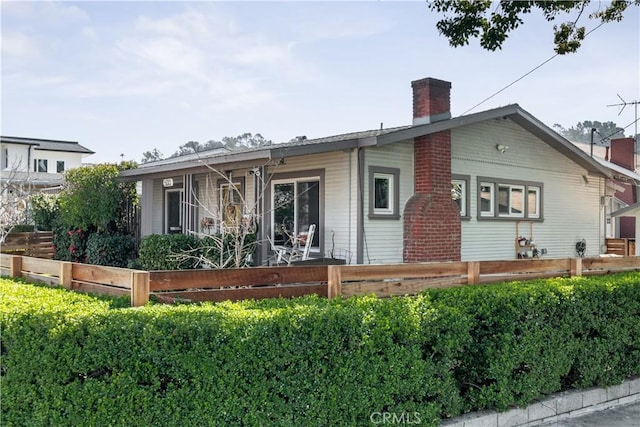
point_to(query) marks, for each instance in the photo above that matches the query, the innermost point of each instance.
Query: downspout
(350, 197)
(360, 218)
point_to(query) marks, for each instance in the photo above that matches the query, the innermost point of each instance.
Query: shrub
(45, 209)
(70, 359)
(70, 244)
(115, 250)
(165, 252)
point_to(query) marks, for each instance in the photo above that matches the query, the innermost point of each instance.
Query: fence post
(334, 281)
(15, 266)
(576, 267)
(473, 272)
(66, 274)
(139, 288)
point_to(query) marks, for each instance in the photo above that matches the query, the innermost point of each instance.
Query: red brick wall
(622, 152)
(432, 230)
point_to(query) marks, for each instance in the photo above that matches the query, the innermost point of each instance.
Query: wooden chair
(298, 251)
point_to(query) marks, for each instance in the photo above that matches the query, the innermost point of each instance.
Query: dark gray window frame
(268, 218)
(467, 193)
(395, 172)
(58, 164)
(499, 181)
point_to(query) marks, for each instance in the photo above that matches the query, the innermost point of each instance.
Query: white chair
(298, 251)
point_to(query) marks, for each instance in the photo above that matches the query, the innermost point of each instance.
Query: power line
(526, 74)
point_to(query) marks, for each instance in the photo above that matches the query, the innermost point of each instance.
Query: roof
(47, 144)
(303, 146)
(631, 210)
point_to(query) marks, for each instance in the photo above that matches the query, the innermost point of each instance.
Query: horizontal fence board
(96, 288)
(188, 279)
(39, 278)
(36, 244)
(247, 293)
(499, 278)
(609, 263)
(397, 288)
(414, 270)
(525, 266)
(114, 276)
(39, 265)
(5, 260)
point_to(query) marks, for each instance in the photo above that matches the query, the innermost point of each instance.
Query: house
(40, 163)
(442, 188)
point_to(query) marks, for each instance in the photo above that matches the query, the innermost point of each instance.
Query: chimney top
(431, 100)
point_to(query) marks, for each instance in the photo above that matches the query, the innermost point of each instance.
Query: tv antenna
(635, 121)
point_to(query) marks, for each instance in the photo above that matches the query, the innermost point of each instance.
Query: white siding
(17, 157)
(527, 159)
(383, 238)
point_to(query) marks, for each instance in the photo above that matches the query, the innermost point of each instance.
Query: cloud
(19, 45)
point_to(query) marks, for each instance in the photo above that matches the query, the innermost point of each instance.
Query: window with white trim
(460, 193)
(506, 199)
(485, 199)
(511, 200)
(296, 205)
(384, 193)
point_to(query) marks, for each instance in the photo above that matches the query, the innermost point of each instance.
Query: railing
(274, 282)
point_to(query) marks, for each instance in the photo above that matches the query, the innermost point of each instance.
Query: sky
(122, 78)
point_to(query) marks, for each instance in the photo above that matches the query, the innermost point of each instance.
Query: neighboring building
(39, 162)
(440, 189)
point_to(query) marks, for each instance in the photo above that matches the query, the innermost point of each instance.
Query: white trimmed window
(509, 199)
(384, 193)
(460, 193)
(486, 199)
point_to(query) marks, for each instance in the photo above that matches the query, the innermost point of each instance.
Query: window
(296, 205)
(509, 199)
(60, 166)
(384, 193)
(486, 199)
(231, 201)
(173, 210)
(460, 193)
(40, 165)
(533, 202)
(6, 158)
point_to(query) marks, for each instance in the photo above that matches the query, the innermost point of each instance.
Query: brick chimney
(431, 101)
(622, 151)
(432, 230)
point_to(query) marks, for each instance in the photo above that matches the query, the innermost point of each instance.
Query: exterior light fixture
(502, 148)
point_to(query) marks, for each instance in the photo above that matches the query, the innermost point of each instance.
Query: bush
(114, 250)
(70, 244)
(45, 208)
(70, 359)
(166, 252)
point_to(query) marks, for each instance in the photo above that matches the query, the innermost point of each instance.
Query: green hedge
(158, 252)
(114, 250)
(70, 359)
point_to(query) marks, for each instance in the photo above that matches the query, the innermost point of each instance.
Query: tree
(93, 197)
(246, 140)
(582, 131)
(151, 156)
(492, 23)
(14, 197)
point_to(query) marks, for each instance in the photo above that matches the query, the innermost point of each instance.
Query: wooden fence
(38, 244)
(273, 282)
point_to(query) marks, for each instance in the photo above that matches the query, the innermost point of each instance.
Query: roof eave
(196, 163)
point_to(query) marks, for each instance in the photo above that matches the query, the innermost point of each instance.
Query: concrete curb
(557, 407)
